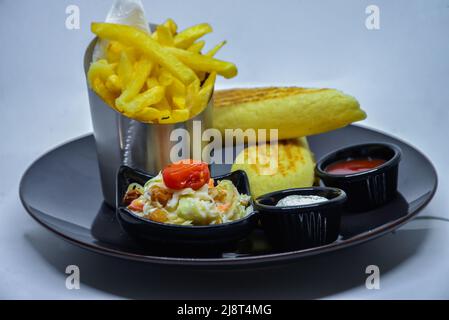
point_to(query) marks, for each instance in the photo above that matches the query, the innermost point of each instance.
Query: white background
(399, 74)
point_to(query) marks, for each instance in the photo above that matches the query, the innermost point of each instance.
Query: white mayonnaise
(297, 200)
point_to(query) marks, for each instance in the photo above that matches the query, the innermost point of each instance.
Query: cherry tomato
(186, 174)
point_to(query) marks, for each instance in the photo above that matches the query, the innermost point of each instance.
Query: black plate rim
(263, 259)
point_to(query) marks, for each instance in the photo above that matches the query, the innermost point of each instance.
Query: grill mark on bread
(224, 98)
(288, 160)
(291, 158)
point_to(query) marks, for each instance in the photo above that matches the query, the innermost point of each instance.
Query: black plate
(62, 192)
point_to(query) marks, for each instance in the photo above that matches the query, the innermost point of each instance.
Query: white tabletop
(399, 74)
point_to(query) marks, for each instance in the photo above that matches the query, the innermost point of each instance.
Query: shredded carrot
(137, 205)
(223, 207)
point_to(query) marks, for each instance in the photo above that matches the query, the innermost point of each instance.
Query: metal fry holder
(124, 141)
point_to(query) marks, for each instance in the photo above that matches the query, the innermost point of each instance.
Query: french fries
(204, 94)
(203, 63)
(138, 39)
(187, 37)
(100, 69)
(197, 47)
(113, 52)
(114, 84)
(125, 68)
(164, 36)
(157, 78)
(214, 51)
(172, 26)
(144, 100)
(142, 70)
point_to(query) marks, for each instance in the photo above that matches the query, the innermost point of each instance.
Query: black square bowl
(369, 189)
(203, 237)
(303, 226)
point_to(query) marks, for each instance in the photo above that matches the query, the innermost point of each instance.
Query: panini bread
(295, 112)
(293, 167)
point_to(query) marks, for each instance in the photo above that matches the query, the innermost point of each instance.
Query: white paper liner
(128, 12)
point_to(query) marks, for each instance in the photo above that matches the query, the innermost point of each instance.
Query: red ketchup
(352, 166)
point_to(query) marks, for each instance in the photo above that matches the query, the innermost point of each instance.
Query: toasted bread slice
(295, 112)
(291, 165)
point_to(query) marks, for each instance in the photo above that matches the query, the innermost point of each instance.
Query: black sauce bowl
(175, 236)
(304, 226)
(368, 189)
